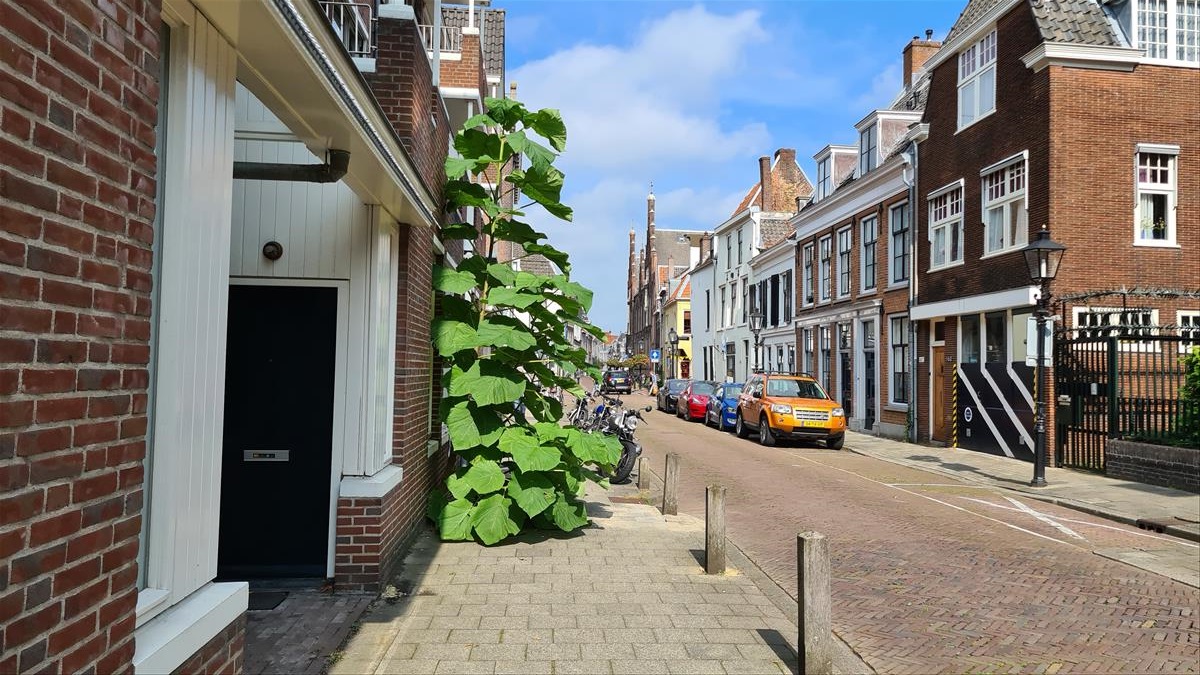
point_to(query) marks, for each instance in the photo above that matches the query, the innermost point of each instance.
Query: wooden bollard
(816, 638)
(670, 505)
(714, 530)
(643, 473)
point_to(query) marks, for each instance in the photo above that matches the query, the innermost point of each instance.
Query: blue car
(722, 406)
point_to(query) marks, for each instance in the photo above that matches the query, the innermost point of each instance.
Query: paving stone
(686, 667)
(606, 651)
(473, 636)
(466, 667)
(583, 667)
(526, 636)
(504, 622)
(352, 667)
(452, 622)
(666, 652)
(744, 667)
(440, 652)
(405, 667)
(552, 652)
(498, 652)
(524, 667)
(730, 635)
(573, 635)
(639, 666)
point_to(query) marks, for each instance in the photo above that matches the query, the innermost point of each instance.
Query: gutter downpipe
(331, 171)
(911, 414)
(437, 44)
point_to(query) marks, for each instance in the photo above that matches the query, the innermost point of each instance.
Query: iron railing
(451, 38)
(354, 23)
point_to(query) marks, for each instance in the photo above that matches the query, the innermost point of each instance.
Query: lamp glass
(756, 318)
(1042, 257)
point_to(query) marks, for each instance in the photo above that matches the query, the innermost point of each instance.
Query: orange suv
(789, 406)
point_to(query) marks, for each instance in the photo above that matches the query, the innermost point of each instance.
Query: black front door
(275, 470)
(869, 389)
(847, 382)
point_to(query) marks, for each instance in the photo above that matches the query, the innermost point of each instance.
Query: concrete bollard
(643, 469)
(714, 530)
(815, 651)
(670, 505)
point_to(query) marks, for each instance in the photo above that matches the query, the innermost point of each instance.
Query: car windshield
(732, 390)
(617, 373)
(794, 389)
(676, 386)
(706, 388)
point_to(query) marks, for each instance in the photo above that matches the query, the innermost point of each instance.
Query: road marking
(1073, 521)
(1045, 519)
(953, 485)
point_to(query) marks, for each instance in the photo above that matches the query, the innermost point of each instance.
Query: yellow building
(677, 321)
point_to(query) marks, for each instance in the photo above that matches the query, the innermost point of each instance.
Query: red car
(693, 400)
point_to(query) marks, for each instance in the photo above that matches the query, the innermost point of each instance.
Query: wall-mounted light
(272, 250)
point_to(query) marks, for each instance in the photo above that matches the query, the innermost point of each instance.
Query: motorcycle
(622, 423)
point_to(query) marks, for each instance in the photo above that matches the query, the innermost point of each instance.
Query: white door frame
(339, 389)
(935, 343)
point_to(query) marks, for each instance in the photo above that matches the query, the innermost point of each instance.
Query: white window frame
(1172, 31)
(808, 266)
(824, 177)
(904, 362)
(825, 268)
(1115, 316)
(868, 234)
(1003, 189)
(1169, 190)
(977, 81)
(905, 249)
(868, 149)
(1188, 327)
(950, 218)
(845, 251)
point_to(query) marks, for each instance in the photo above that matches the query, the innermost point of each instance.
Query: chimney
(916, 53)
(765, 190)
(705, 246)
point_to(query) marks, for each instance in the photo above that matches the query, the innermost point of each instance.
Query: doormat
(264, 600)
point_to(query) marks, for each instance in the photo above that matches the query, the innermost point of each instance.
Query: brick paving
(302, 632)
(932, 574)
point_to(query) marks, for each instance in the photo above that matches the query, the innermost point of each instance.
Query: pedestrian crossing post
(670, 505)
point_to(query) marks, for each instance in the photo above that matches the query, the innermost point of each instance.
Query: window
(1005, 223)
(687, 322)
(997, 337)
(787, 296)
(745, 297)
(824, 180)
(1098, 322)
(870, 233)
(898, 217)
(1155, 208)
(968, 329)
(807, 278)
(733, 303)
(868, 150)
(724, 316)
(728, 252)
(945, 228)
(1152, 23)
(845, 242)
(730, 359)
(898, 339)
(808, 350)
(707, 310)
(1189, 329)
(827, 357)
(977, 80)
(826, 266)
(740, 244)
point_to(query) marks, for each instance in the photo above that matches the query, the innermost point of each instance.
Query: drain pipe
(911, 418)
(330, 172)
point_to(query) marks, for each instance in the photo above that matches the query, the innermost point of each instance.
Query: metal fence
(354, 23)
(1120, 385)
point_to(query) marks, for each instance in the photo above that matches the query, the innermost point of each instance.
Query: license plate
(813, 423)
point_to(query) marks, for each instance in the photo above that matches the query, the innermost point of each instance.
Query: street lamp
(756, 319)
(673, 338)
(1042, 257)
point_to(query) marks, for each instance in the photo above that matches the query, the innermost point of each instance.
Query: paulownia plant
(502, 333)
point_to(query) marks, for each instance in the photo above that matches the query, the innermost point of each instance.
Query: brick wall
(403, 85)
(225, 653)
(77, 188)
(1153, 464)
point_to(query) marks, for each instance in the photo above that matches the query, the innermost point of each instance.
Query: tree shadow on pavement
(782, 648)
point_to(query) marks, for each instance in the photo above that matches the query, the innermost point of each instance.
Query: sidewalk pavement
(627, 594)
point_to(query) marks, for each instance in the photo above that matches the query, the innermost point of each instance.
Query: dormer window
(1168, 30)
(868, 149)
(977, 81)
(824, 179)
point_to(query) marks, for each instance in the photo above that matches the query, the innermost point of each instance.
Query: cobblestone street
(936, 575)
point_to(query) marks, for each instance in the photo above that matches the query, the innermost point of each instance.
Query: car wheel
(835, 443)
(739, 427)
(765, 437)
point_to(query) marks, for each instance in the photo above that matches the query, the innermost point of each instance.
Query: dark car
(616, 382)
(722, 406)
(694, 400)
(668, 393)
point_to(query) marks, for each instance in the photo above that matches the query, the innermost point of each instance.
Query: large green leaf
(533, 492)
(543, 184)
(493, 333)
(459, 231)
(457, 167)
(574, 290)
(479, 145)
(482, 119)
(464, 432)
(506, 112)
(528, 452)
(489, 383)
(530, 281)
(549, 431)
(515, 230)
(548, 124)
(459, 309)
(567, 514)
(513, 297)
(455, 521)
(502, 273)
(457, 485)
(452, 281)
(452, 336)
(538, 154)
(466, 193)
(492, 521)
(484, 476)
(552, 254)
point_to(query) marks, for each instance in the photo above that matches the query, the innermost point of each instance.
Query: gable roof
(683, 289)
(787, 182)
(1065, 21)
(749, 199)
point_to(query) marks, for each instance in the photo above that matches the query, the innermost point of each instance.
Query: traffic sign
(655, 355)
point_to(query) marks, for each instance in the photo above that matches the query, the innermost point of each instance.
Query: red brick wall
(223, 654)
(369, 535)
(77, 188)
(403, 85)
(468, 71)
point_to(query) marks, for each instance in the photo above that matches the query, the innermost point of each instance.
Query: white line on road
(1073, 521)
(1046, 519)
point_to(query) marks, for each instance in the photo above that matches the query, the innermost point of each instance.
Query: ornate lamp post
(1042, 257)
(756, 319)
(673, 338)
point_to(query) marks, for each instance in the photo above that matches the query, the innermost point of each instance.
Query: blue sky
(689, 95)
